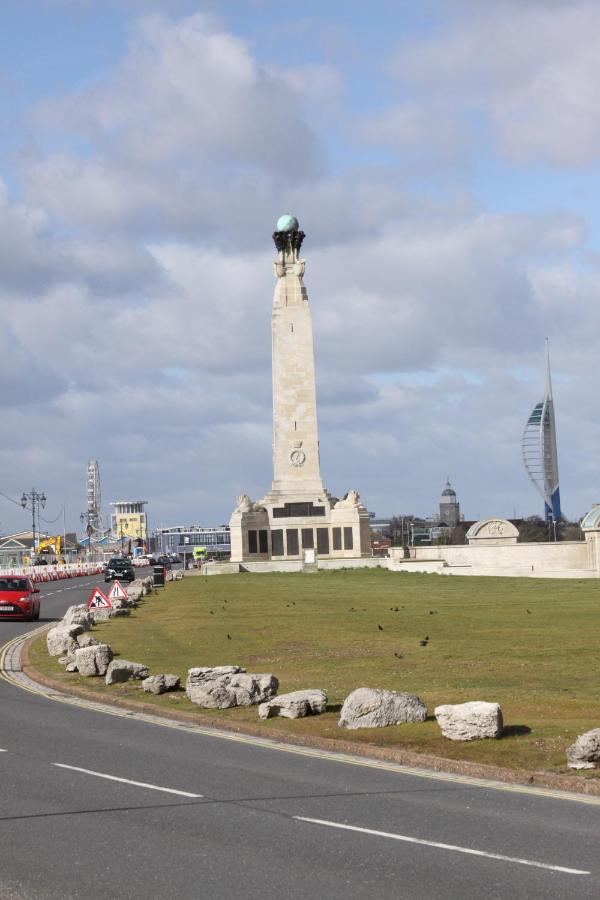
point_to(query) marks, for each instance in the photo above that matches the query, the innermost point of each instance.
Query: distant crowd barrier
(54, 573)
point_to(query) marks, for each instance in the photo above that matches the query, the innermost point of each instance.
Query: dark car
(19, 599)
(119, 569)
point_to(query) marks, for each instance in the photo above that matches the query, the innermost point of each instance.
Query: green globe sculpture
(287, 223)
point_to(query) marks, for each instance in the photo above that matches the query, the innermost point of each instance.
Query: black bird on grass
(380, 627)
(228, 637)
(528, 611)
(398, 655)
(211, 612)
(425, 641)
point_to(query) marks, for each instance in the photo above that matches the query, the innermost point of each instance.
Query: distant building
(380, 525)
(18, 549)
(129, 520)
(182, 539)
(449, 507)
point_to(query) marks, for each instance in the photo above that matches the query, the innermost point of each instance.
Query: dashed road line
(439, 846)
(142, 784)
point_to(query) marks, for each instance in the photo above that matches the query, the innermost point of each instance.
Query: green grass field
(530, 645)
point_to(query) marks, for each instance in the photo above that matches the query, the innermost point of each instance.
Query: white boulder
(93, 660)
(159, 684)
(374, 708)
(221, 687)
(61, 639)
(471, 721)
(102, 614)
(294, 705)
(585, 752)
(120, 670)
(78, 615)
(87, 640)
(68, 661)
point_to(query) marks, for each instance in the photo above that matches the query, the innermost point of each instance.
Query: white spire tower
(540, 455)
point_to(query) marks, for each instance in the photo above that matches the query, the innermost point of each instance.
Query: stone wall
(563, 559)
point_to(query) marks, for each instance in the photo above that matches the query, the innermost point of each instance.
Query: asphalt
(242, 820)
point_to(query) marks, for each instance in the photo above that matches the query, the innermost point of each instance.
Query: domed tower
(449, 506)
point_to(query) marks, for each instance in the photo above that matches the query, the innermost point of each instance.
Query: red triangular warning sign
(98, 600)
(117, 592)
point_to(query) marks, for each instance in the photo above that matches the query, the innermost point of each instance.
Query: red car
(18, 598)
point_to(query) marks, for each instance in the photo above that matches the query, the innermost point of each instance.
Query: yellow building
(129, 520)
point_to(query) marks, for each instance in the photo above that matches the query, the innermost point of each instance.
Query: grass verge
(528, 644)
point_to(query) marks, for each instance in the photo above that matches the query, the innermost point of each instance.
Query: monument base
(302, 528)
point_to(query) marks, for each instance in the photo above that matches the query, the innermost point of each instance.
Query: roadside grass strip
(439, 846)
(142, 784)
(520, 642)
(11, 672)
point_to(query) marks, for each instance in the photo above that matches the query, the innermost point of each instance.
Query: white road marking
(151, 787)
(3, 751)
(413, 840)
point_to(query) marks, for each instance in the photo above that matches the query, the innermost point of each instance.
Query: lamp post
(89, 530)
(36, 500)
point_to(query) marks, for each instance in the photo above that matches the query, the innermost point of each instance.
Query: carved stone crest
(492, 532)
(496, 527)
(297, 458)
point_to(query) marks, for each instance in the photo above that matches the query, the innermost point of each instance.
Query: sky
(443, 160)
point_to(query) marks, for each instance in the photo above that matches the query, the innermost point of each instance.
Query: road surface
(107, 806)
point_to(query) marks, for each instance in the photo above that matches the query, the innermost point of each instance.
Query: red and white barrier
(54, 573)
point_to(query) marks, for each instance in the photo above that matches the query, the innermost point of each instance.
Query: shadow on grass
(516, 730)
(333, 707)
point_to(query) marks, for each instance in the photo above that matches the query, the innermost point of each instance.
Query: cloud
(136, 276)
(526, 70)
(187, 94)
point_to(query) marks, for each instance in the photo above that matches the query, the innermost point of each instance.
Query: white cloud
(136, 281)
(188, 96)
(530, 70)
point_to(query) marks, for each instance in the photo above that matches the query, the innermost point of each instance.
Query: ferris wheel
(94, 499)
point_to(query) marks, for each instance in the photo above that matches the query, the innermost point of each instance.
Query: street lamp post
(36, 500)
(89, 530)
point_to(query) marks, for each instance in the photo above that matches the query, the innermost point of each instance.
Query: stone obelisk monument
(295, 436)
(298, 518)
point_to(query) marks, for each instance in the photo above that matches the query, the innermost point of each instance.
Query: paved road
(185, 815)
